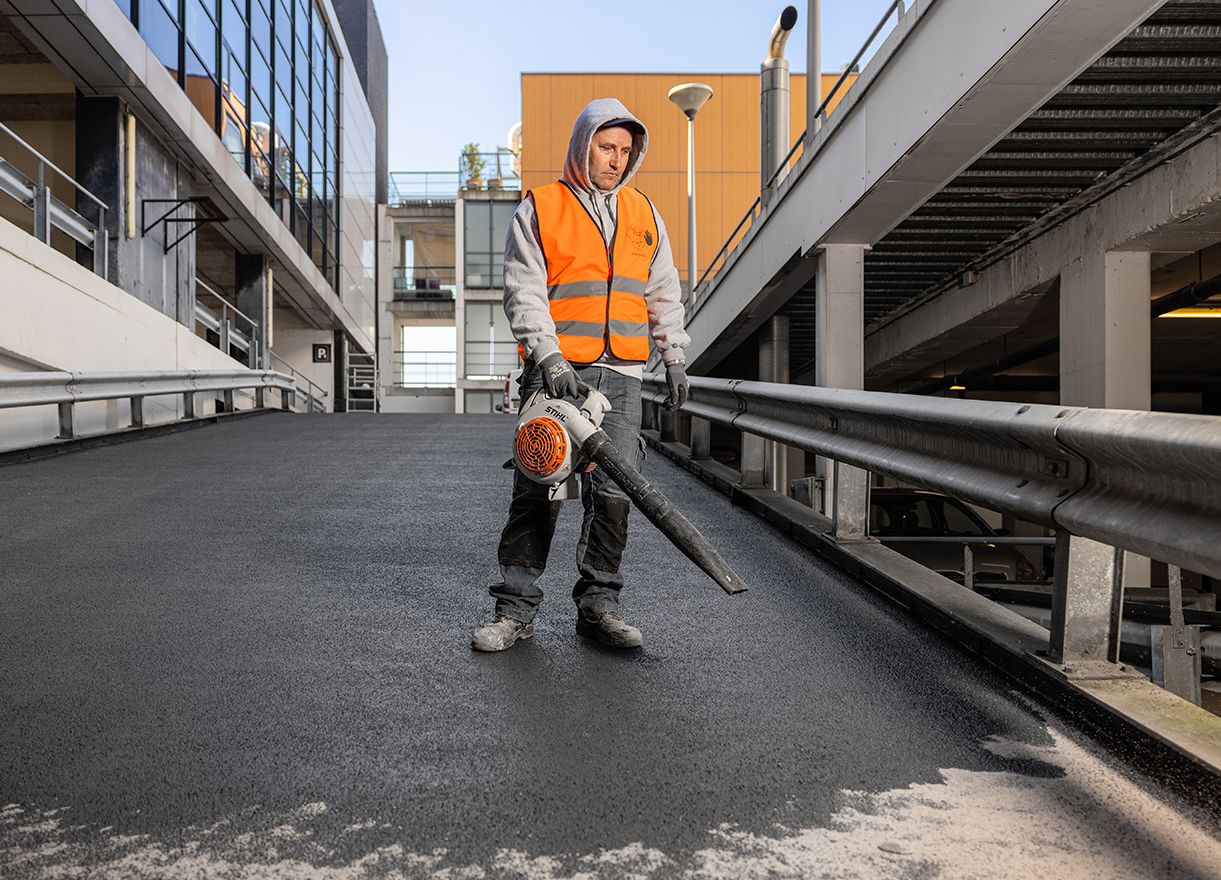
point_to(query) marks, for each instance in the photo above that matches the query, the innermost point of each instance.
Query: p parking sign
(322, 353)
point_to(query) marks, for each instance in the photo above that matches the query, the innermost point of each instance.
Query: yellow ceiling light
(1203, 312)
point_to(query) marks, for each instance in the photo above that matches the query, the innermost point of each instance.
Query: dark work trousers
(526, 539)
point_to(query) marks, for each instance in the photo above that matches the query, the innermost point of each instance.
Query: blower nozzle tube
(660, 512)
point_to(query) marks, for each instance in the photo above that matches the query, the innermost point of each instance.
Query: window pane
(260, 76)
(260, 167)
(201, 88)
(260, 26)
(160, 31)
(201, 31)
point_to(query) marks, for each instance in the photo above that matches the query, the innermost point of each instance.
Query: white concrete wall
(57, 315)
(294, 342)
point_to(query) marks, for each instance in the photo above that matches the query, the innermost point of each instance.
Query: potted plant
(472, 166)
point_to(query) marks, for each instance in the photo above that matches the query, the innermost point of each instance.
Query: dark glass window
(160, 30)
(265, 74)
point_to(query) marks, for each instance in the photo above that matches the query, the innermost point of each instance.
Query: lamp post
(689, 98)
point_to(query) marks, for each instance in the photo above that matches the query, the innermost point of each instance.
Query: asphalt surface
(244, 651)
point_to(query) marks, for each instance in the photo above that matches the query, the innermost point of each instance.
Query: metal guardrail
(1107, 481)
(794, 153)
(65, 390)
(49, 211)
(1142, 481)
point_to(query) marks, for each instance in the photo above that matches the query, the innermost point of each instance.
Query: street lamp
(689, 98)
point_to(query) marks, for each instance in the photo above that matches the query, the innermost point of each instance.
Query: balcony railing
(424, 282)
(408, 187)
(425, 369)
(490, 359)
(496, 174)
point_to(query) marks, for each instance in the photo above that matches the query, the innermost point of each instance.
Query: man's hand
(680, 388)
(559, 378)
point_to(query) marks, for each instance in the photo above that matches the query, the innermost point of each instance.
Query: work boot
(609, 629)
(500, 634)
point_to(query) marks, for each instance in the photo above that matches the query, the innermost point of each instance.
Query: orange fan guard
(541, 445)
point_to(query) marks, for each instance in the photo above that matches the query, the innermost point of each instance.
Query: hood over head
(600, 113)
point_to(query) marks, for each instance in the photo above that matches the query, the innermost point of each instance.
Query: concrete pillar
(780, 462)
(701, 439)
(251, 281)
(1105, 343)
(840, 359)
(666, 426)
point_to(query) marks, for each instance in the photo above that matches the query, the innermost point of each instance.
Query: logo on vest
(642, 239)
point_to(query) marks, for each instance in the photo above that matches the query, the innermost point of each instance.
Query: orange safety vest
(597, 293)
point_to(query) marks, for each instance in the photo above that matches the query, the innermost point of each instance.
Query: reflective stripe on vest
(597, 299)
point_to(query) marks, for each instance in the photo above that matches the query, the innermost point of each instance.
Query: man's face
(609, 150)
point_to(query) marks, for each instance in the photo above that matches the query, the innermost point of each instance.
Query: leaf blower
(556, 439)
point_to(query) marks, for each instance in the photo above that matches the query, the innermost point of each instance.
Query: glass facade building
(265, 74)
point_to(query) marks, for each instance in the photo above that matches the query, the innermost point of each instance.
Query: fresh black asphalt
(275, 612)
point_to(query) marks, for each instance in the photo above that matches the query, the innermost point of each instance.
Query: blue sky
(455, 68)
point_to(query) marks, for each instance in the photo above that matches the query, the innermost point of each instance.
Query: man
(589, 279)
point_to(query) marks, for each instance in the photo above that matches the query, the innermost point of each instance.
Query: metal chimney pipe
(774, 102)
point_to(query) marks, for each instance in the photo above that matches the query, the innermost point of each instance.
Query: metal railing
(224, 325)
(795, 153)
(315, 398)
(490, 359)
(65, 390)
(1106, 480)
(48, 211)
(425, 369)
(424, 282)
(423, 186)
(496, 174)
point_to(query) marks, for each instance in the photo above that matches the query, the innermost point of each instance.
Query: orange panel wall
(726, 142)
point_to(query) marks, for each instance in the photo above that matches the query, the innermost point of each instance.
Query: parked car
(511, 402)
(898, 514)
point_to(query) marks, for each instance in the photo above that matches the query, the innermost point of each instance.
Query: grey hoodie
(525, 269)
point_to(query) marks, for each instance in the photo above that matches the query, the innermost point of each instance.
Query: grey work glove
(559, 378)
(680, 388)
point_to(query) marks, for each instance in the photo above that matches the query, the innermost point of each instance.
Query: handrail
(749, 215)
(43, 160)
(1142, 481)
(312, 398)
(51, 212)
(65, 390)
(821, 114)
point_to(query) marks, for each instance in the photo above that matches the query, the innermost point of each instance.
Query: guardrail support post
(286, 400)
(850, 503)
(754, 461)
(101, 241)
(66, 429)
(701, 439)
(1087, 601)
(648, 416)
(1176, 648)
(227, 397)
(42, 213)
(188, 405)
(137, 412)
(260, 397)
